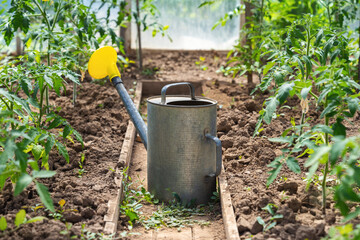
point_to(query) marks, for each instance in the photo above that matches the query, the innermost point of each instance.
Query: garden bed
(246, 158)
(102, 121)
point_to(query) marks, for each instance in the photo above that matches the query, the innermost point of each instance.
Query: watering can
(183, 152)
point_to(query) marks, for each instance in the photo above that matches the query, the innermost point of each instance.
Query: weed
(201, 64)
(67, 231)
(88, 235)
(271, 223)
(20, 219)
(345, 232)
(173, 214)
(58, 214)
(34, 208)
(81, 169)
(150, 71)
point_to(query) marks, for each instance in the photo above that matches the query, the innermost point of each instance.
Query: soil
(246, 158)
(101, 119)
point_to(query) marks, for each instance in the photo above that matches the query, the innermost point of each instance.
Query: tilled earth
(101, 119)
(246, 158)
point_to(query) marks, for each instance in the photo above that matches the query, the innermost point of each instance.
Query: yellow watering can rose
(103, 63)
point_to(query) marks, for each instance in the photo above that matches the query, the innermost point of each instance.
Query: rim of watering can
(171, 99)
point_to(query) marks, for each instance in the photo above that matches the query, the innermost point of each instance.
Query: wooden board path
(112, 216)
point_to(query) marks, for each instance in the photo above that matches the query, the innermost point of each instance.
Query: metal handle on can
(218, 154)
(163, 90)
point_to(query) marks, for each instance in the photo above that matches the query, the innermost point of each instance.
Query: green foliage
(271, 222)
(27, 133)
(20, 220)
(345, 232)
(173, 214)
(314, 66)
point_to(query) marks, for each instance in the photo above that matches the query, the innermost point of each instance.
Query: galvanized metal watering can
(183, 152)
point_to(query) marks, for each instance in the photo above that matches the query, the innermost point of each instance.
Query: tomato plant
(314, 67)
(27, 133)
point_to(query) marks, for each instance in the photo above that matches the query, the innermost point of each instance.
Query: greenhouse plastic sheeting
(190, 26)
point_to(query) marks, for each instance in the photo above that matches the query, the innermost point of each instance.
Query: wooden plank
(231, 230)
(112, 216)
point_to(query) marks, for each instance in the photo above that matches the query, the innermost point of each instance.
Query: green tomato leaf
(268, 66)
(3, 224)
(284, 91)
(49, 144)
(305, 92)
(279, 78)
(62, 150)
(276, 165)
(301, 65)
(293, 165)
(45, 196)
(43, 174)
(37, 151)
(337, 150)
(319, 36)
(334, 55)
(353, 104)
(338, 128)
(78, 137)
(328, 45)
(270, 109)
(329, 109)
(298, 34)
(20, 217)
(23, 181)
(48, 80)
(35, 219)
(8, 34)
(318, 154)
(308, 64)
(57, 121)
(324, 93)
(67, 130)
(322, 128)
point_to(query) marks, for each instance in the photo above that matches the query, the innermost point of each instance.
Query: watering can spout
(102, 64)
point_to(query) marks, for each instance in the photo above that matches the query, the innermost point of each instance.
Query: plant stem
(41, 105)
(307, 71)
(43, 14)
(328, 13)
(50, 28)
(326, 171)
(7, 105)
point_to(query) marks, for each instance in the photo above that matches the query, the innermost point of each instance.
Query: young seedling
(81, 169)
(20, 220)
(174, 214)
(201, 64)
(271, 223)
(58, 214)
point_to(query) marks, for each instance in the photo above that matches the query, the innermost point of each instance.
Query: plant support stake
(139, 33)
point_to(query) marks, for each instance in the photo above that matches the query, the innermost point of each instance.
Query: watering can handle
(218, 154)
(163, 90)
